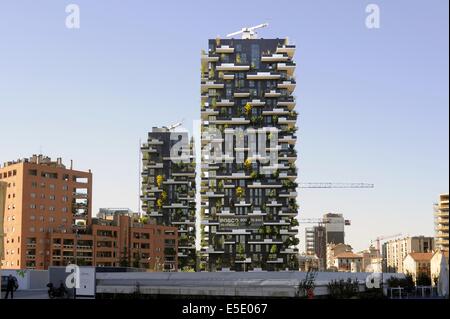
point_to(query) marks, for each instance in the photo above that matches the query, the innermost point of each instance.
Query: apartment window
(33, 184)
(42, 185)
(256, 56)
(65, 187)
(32, 217)
(64, 209)
(32, 229)
(52, 197)
(32, 206)
(33, 195)
(51, 186)
(64, 199)
(32, 172)
(49, 175)
(41, 207)
(51, 208)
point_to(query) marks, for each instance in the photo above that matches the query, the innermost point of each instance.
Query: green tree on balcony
(240, 250)
(273, 249)
(239, 192)
(248, 109)
(248, 164)
(159, 180)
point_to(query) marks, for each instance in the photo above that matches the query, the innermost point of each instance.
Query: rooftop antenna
(248, 33)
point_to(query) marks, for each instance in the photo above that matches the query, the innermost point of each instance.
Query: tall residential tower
(248, 198)
(441, 222)
(42, 197)
(168, 187)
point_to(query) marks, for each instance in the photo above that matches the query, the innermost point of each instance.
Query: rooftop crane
(174, 126)
(380, 238)
(248, 33)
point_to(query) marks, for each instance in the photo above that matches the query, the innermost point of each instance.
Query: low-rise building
(120, 241)
(110, 213)
(308, 262)
(371, 261)
(333, 250)
(348, 261)
(417, 263)
(435, 265)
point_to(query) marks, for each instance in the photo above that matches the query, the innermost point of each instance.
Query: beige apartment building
(441, 223)
(395, 251)
(371, 259)
(417, 263)
(348, 262)
(3, 186)
(333, 250)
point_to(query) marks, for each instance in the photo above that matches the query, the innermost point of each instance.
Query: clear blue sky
(373, 104)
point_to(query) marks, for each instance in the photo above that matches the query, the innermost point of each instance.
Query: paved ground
(29, 294)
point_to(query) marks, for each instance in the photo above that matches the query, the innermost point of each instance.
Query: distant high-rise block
(334, 226)
(316, 244)
(441, 222)
(395, 251)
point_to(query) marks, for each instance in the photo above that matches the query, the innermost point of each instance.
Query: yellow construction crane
(380, 238)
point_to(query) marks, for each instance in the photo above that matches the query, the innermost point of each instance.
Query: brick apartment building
(122, 241)
(48, 205)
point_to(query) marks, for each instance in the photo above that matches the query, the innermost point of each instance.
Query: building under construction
(330, 230)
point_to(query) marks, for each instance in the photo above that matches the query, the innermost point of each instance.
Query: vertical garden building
(168, 187)
(248, 203)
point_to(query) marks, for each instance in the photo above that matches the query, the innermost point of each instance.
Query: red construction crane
(380, 238)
